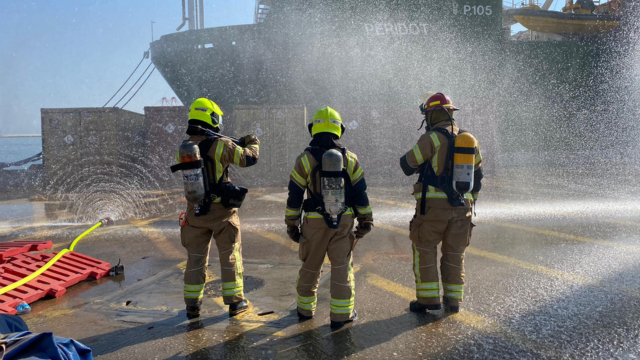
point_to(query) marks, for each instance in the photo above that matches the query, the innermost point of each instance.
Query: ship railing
(262, 10)
(513, 4)
(569, 4)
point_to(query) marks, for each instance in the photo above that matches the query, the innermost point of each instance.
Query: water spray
(106, 221)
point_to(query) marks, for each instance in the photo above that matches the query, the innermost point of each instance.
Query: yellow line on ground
(108, 230)
(475, 321)
(533, 267)
(162, 198)
(392, 202)
(273, 198)
(218, 300)
(564, 235)
(38, 225)
(508, 260)
(536, 230)
(286, 242)
(576, 279)
(10, 221)
(620, 222)
(393, 228)
(49, 232)
(161, 242)
(251, 315)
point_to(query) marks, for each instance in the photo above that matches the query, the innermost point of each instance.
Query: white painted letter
(369, 28)
(415, 30)
(403, 29)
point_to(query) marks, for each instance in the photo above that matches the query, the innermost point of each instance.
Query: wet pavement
(551, 273)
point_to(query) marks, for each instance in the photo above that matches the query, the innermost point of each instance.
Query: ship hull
(374, 72)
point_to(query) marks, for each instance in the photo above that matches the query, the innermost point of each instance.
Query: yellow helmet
(206, 111)
(327, 120)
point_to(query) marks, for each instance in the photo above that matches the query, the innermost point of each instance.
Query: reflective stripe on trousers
(193, 291)
(454, 291)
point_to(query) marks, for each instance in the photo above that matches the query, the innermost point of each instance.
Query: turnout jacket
(300, 182)
(433, 147)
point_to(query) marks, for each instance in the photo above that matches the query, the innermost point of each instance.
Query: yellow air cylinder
(464, 160)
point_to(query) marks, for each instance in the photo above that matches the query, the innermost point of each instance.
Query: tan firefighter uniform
(221, 223)
(317, 238)
(441, 223)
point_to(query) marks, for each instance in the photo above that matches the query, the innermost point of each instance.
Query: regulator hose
(6, 289)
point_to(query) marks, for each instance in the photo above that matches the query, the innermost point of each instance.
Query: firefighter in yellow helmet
(336, 194)
(448, 162)
(217, 215)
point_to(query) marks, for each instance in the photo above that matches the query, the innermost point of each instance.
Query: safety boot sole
(337, 325)
(302, 317)
(451, 308)
(238, 308)
(416, 307)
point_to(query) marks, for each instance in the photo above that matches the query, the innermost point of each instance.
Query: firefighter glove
(294, 233)
(364, 226)
(250, 140)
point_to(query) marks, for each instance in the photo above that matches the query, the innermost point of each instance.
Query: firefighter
(215, 216)
(443, 204)
(327, 228)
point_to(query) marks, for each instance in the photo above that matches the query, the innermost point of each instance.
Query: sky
(77, 53)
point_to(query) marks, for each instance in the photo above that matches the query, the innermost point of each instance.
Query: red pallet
(13, 248)
(69, 270)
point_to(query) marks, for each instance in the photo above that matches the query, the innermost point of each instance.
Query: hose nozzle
(107, 221)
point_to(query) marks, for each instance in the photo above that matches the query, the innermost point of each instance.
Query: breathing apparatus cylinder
(464, 159)
(333, 186)
(192, 176)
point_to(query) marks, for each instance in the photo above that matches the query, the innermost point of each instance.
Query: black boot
(416, 307)
(302, 317)
(193, 312)
(448, 307)
(238, 307)
(335, 325)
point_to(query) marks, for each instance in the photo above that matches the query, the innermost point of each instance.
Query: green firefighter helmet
(327, 120)
(206, 111)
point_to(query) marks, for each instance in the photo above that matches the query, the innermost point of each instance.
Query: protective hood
(447, 126)
(326, 141)
(438, 116)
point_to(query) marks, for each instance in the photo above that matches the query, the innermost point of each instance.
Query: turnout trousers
(453, 228)
(318, 240)
(224, 226)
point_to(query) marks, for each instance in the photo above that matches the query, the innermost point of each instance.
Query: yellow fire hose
(4, 290)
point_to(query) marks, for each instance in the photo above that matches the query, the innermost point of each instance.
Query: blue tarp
(23, 344)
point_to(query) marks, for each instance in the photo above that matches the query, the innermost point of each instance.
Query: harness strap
(429, 178)
(188, 166)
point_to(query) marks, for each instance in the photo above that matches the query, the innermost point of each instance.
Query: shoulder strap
(444, 132)
(206, 145)
(316, 152)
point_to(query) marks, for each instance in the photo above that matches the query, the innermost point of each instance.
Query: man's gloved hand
(294, 233)
(365, 224)
(250, 140)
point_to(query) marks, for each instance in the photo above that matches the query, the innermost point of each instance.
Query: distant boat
(573, 21)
